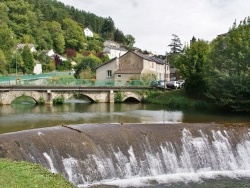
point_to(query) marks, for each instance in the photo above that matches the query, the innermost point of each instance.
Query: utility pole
(16, 62)
(165, 66)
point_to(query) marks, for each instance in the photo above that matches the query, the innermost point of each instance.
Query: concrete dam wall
(96, 153)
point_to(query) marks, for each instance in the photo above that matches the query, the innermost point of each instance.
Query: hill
(49, 24)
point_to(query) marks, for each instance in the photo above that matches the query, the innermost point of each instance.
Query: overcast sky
(152, 22)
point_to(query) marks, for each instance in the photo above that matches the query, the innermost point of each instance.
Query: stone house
(133, 65)
(106, 70)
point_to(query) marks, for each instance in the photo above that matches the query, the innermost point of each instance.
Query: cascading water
(134, 154)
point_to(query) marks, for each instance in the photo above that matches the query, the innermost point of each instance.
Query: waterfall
(104, 153)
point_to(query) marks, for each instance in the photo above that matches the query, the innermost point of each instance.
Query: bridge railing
(54, 81)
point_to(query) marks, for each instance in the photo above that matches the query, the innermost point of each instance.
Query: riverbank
(24, 174)
(177, 99)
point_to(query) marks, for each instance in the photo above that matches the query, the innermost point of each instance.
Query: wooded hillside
(49, 24)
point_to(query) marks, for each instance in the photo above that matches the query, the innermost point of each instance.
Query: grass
(177, 99)
(25, 175)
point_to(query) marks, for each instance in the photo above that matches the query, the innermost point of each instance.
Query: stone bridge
(8, 94)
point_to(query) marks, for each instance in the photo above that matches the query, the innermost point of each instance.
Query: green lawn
(28, 175)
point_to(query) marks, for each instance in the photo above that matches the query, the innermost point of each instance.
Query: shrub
(119, 97)
(58, 100)
(41, 101)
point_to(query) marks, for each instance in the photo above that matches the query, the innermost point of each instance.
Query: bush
(41, 101)
(119, 97)
(58, 100)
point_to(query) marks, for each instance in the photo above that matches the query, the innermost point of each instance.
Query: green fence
(54, 80)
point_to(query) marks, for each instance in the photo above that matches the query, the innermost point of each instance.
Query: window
(109, 73)
(119, 76)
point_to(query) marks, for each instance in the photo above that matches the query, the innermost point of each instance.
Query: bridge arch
(12, 95)
(25, 97)
(130, 96)
(88, 97)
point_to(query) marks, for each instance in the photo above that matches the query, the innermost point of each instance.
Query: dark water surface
(25, 116)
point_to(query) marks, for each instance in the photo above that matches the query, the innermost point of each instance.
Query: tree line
(49, 24)
(218, 71)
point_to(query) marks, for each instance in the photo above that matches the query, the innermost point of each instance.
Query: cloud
(152, 23)
(134, 3)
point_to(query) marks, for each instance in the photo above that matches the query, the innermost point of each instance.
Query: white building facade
(88, 33)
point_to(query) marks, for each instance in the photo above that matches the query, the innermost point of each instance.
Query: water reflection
(19, 117)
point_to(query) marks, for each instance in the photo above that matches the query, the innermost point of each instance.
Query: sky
(152, 22)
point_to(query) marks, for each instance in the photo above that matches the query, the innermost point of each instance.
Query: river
(24, 116)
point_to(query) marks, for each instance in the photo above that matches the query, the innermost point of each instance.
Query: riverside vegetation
(178, 99)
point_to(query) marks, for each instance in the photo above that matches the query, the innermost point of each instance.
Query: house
(107, 70)
(52, 54)
(113, 49)
(31, 47)
(133, 65)
(113, 52)
(111, 43)
(37, 68)
(88, 32)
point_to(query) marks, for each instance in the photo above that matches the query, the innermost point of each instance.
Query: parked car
(181, 82)
(173, 85)
(154, 83)
(159, 83)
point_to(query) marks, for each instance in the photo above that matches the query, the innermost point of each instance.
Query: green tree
(7, 39)
(119, 36)
(19, 12)
(194, 66)
(47, 63)
(28, 60)
(43, 39)
(175, 50)
(16, 63)
(90, 62)
(175, 45)
(3, 63)
(230, 69)
(56, 33)
(64, 65)
(73, 34)
(129, 41)
(108, 28)
(3, 13)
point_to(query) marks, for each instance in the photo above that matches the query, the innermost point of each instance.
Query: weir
(98, 153)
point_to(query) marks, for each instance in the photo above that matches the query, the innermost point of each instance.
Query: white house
(38, 68)
(88, 32)
(113, 52)
(50, 52)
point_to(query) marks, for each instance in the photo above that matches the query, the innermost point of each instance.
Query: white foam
(40, 133)
(171, 178)
(70, 166)
(52, 168)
